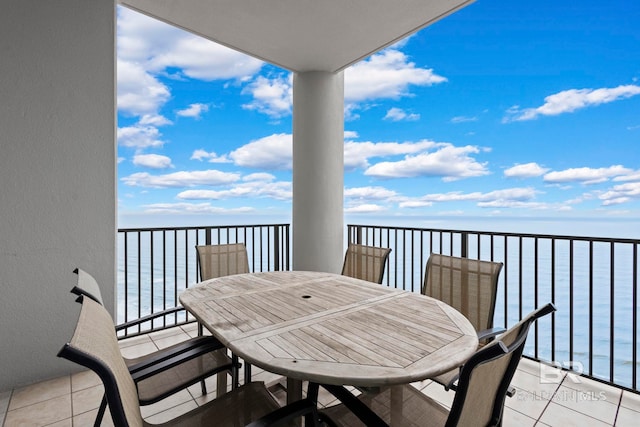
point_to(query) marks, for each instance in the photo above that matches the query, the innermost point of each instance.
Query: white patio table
(332, 329)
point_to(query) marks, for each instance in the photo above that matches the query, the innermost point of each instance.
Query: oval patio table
(332, 329)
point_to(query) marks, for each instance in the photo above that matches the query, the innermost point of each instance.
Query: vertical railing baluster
(634, 310)
(151, 285)
(520, 284)
(535, 293)
(612, 309)
(506, 281)
(553, 298)
(571, 294)
(139, 278)
(591, 307)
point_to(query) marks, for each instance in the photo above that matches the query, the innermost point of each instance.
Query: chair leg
(235, 372)
(221, 387)
(101, 411)
(203, 386)
(313, 418)
(247, 372)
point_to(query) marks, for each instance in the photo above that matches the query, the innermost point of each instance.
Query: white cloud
(448, 161)
(192, 208)
(622, 193)
(139, 137)
(139, 93)
(586, 175)
(387, 74)
(365, 208)
(259, 176)
(414, 204)
(350, 134)
(181, 179)
(512, 194)
(463, 119)
(202, 59)
(514, 204)
(211, 157)
(526, 170)
(253, 186)
(356, 154)
(154, 161)
(194, 110)
(159, 46)
(148, 48)
(631, 176)
(273, 97)
(270, 152)
(384, 75)
(506, 198)
(571, 100)
(369, 193)
(398, 114)
(154, 120)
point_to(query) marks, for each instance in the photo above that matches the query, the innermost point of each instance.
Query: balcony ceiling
(301, 35)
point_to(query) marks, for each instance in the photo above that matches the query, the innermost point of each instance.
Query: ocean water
(596, 298)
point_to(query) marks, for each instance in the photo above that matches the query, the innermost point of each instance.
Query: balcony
(580, 365)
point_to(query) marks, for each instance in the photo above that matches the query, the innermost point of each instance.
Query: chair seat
(416, 409)
(236, 408)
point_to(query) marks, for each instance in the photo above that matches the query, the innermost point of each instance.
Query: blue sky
(505, 109)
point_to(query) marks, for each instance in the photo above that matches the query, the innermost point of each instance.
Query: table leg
(294, 390)
(396, 406)
(294, 393)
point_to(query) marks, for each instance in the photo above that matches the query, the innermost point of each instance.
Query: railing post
(207, 236)
(464, 245)
(276, 247)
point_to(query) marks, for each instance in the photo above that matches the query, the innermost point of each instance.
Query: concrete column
(318, 171)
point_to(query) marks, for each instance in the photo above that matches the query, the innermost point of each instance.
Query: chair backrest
(468, 285)
(365, 262)
(485, 377)
(94, 345)
(222, 260)
(87, 285)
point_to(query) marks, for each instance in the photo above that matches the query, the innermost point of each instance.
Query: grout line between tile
(550, 400)
(4, 415)
(615, 419)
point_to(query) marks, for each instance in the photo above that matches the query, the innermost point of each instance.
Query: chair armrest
(148, 318)
(185, 350)
(166, 360)
(490, 333)
(453, 385)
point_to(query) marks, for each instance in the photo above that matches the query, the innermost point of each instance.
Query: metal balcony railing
(592, 281)
(156, 264)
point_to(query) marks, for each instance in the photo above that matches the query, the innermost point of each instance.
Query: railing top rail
(202, 227)
(505, 234)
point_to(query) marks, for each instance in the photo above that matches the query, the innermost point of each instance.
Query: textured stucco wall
(57, 175)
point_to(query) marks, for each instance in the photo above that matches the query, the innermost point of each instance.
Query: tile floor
(545, 397)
